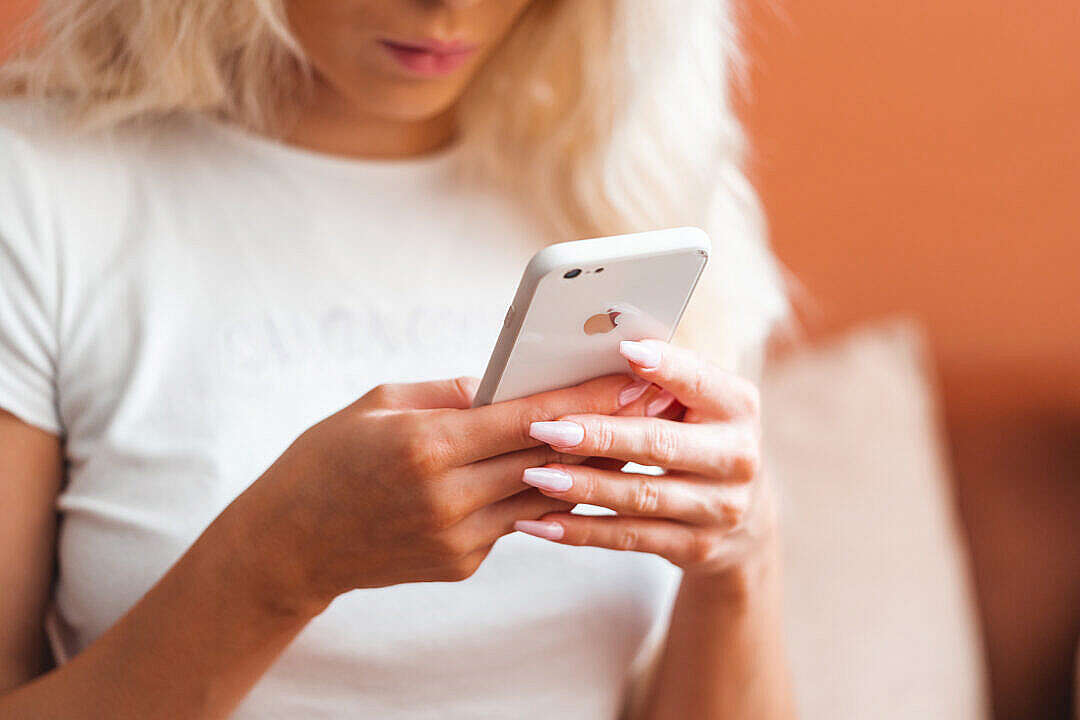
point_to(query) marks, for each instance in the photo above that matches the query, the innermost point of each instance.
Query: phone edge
(552, 258)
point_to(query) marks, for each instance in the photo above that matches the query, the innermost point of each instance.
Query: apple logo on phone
(602, 323)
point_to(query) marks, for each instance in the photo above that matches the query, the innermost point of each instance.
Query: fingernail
(632, 392)
(548, 479)
(559, 432)
(546, 530)
(639, 353)
(659, 404)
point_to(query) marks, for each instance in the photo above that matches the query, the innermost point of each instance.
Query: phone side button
(509, 316)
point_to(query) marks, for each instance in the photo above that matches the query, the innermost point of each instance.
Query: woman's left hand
(711, 512)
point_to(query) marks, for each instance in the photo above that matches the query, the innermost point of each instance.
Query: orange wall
(11, 13)
(924, 157)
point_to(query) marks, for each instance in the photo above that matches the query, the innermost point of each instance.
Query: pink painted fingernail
(562, 433)
(632, 392)
(546, 530)
(659, 404)
(647, 356)
(548, 479)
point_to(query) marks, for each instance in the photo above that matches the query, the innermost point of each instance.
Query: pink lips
(429, 57)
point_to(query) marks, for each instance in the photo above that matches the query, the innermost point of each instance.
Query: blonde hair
(610, 116)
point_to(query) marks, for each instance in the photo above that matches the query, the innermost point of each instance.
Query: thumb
(456, 393)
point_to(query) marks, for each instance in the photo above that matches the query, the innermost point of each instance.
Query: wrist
(265, 565)
(755, 573)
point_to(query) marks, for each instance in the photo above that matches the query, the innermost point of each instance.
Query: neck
(329, 124)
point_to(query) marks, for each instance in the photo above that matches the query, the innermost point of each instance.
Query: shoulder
(36, 137)
(23, 119)
(39, 138)
(24, 155)
(74, 202)
(58, 178)
(18, 139)
(40, 135)
(52, 182)
(46, 164)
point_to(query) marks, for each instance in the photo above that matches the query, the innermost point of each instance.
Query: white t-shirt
(181, 303)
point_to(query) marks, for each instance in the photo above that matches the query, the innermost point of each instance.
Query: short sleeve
(28, 292)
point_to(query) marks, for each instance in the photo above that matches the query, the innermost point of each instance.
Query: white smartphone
(576, 302)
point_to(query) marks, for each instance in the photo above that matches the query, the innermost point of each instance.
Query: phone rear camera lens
(572, 273)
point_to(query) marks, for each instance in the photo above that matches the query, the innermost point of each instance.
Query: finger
(673, 540)
(602, 463)
(456, 393)
(664, 405)
(460, 568)
(485, 432)
(646, 400)
(719, 450)
(654, 402)
(691, 379)
(687, 499)
(470, 488)
(488, 524)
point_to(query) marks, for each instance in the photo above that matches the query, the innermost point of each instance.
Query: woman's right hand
(407, 484)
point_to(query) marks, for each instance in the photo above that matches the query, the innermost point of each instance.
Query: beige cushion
(879, 608)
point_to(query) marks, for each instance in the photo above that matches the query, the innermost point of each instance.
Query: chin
(409, 103)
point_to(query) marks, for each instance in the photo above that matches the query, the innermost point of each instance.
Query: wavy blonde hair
(610, 116)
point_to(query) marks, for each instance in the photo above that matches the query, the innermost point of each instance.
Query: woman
(271, 211)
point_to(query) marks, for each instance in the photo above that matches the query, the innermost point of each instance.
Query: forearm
(724, 656)
(190, 648)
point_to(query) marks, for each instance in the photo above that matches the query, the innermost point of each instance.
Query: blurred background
(922, 160)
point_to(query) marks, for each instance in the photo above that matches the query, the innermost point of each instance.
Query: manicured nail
(546, 530)
(633, 391)
(562, 433)
(659, 404)
(639, 353)
(548, 479)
